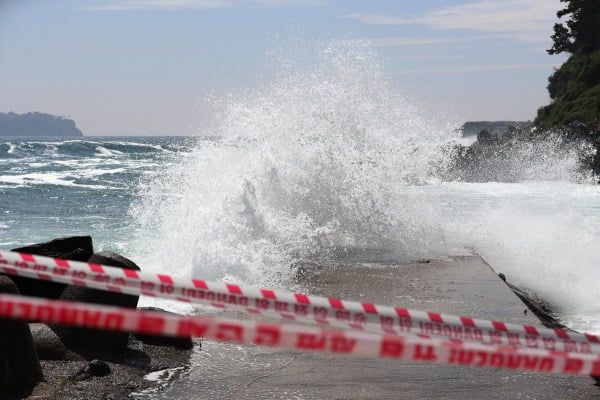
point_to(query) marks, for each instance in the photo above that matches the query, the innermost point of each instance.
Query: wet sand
(462, 285)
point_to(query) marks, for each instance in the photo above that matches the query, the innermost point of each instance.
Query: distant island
(36, 124)
(498, 128)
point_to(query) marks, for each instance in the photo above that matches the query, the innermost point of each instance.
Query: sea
(327, 165)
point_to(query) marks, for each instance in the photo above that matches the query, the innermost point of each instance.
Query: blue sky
(135, 67)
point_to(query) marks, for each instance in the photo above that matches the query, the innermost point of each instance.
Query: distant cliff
(36, 124)
(498, 128)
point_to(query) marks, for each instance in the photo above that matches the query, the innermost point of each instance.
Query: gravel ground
(67, 379)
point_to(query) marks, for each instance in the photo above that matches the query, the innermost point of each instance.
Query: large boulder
(76, 248)
(48, 345)
(182, 343)
(94, 341)
(487, 138)
(20, 368)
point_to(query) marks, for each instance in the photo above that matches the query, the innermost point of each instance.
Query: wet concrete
(465, 286)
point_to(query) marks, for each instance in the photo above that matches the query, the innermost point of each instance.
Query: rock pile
(65, 348)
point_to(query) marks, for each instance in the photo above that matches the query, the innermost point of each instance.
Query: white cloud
(523, 20)
(124, 5)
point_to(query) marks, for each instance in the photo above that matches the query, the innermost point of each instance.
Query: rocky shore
(504, 158)
(39, 361)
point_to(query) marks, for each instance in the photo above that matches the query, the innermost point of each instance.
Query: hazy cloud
(462, 69)
(124, 5)
(423, 41)
(523, 20)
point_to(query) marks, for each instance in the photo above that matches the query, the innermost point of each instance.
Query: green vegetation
(575, 87)
(575, 91)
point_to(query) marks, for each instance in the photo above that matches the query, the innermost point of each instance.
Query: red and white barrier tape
(298, 337)
(299, 307)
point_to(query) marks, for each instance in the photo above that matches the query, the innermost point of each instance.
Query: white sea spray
(329, 163)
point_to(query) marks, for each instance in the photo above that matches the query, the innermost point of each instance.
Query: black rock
(113, 260)
(47, 344)
(167, 341)
(94, 368)
(20, 368)
(99, 368)
(512, 132)
(487, 138)
(76, 248)
(93, 341)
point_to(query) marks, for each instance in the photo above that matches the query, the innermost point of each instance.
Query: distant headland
(496, 127)
(36, 124)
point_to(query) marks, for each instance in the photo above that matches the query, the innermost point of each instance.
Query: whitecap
(104, 152)
(48, 178)
(147, 145)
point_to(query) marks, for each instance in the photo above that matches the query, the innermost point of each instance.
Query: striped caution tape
(299, 307)
(298, 337)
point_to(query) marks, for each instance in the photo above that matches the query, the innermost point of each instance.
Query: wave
(104, 152)
(329, 164)
(83, 163)
(50, 178)
(82, 148)
(308, 169)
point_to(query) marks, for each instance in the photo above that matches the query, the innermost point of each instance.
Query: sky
(146, 67)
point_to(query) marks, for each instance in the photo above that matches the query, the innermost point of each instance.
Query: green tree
(575, 87)
(581, 31)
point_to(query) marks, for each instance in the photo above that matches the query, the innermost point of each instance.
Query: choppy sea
(327, 165)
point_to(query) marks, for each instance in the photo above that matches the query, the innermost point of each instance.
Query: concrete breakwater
(461, 285)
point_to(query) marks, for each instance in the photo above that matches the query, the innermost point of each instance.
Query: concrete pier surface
(462, 285)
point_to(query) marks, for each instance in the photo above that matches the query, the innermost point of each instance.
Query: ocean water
(51, 187)
(240, 211)
(327, 164)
